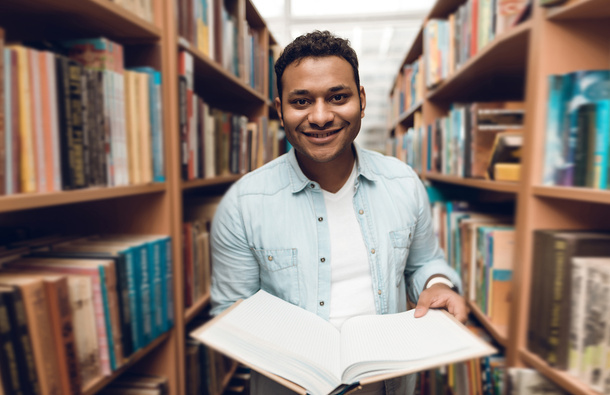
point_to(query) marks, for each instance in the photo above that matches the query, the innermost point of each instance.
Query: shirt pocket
(401, 242)
(279, 273)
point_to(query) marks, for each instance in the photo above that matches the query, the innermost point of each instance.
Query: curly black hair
(315, 44)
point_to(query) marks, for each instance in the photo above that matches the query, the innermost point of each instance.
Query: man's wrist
(440, 280)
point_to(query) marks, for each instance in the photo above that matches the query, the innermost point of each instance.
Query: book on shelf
(325, 360)
(525, 381)
(548, 330)
(507, 148)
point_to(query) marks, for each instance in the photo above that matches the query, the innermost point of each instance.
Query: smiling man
(333, 228)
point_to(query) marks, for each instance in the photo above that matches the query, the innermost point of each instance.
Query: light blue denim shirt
(270, 232)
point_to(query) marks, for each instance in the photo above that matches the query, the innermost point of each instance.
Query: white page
(264, 324)
(401, 337)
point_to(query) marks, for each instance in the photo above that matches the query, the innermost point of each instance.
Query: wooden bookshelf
(206, 182)
(196, 308)
(36, 200)
(500, 66)
(564, 379)
(100, 383)
(490, 185)
(515, 66)
(498, 332)
(227, 378)
(406, 118)
(580, 9)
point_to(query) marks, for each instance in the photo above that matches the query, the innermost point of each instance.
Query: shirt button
(322, 303)
(323, 260)
(361, 212)
(312, 185)
(320, 219)
(373, 251)
(270, 257)
(379, 292)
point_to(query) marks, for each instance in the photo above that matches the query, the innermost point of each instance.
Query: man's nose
(321, 115)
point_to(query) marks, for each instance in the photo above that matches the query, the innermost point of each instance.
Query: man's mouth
(321, 135)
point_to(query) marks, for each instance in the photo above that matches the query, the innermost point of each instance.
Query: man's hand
(440, 296)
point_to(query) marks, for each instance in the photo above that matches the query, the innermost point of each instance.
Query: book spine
(169, 277)
(9, 370)
(597, 313)
(602, 145)
(107, 320)
(37, 117)
(134, 298)
(124, 304)
(3, 98)
(76, 140)
(27, 167)
(57, 294)
(577, 313)
(156, 112)
(54, 122)
(65, 121)
(114, 318)
(8, 122)
(156, 287)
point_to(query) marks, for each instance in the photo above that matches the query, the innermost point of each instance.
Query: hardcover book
(306, 353)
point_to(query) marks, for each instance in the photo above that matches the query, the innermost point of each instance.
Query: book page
(400, 338)
(280, 338)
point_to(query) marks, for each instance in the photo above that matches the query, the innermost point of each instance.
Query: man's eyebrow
(298, 92)
(339, 88)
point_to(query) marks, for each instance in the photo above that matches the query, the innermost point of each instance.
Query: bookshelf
(515, 66)
(152, 208)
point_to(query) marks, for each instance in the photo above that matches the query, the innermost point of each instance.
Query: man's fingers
(423, 304)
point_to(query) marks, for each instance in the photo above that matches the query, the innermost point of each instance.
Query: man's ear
(362, 101)
(278, 108)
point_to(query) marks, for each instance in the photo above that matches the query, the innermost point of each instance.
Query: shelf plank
(216, 84)
(207, 182)
(56, 20)
(196, 308)
(499, 186)
(580, 9)
(498, 332)
(95, 386)
(561, 378)
(501, 63)
(406, 118)
(574, 193)
(35, 200)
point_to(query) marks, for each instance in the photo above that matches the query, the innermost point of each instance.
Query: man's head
(321, 102)
(315, 44)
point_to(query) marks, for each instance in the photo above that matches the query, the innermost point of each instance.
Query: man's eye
(300, 102)
(338, 97)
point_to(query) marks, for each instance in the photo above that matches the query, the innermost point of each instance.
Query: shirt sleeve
(426, 258)
(235, 272)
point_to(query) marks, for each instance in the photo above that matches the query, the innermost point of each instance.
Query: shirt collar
(299, 181)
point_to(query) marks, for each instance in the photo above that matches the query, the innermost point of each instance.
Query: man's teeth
(318, 135)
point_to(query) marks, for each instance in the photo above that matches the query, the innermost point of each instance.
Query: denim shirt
(270, 232)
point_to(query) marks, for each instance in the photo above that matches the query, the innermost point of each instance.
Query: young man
(330, 227)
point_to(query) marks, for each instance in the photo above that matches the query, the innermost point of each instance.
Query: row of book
(408, 90)
(207, 371)
(578, 130)
(408, 146)
(142, 8)
(76, 308)
(137, 384)
(77, 121)
(450, 42)
(480, 247)
(481, 376)
(213, 27)
(215, 142)
(569, 317)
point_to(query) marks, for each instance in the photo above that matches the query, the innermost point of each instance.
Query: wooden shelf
(580, 9)
(227, 379)
(499, 69)
(573, 193)
(70, 19)
(35, 200)
(499, 333)
(561, 378)
(196, 308)
(509, 187)
(406, 118)
(100, 383)
(207, 182)
(217, 85)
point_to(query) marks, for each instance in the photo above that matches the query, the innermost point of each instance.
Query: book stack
(216, 142)
(570, 315)
(140, 384)
(87, 305)
(578, 130)
(408, 146)
(464, 143)
(78, 121)
(450, 43)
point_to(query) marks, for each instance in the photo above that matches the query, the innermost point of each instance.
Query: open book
(294, 346)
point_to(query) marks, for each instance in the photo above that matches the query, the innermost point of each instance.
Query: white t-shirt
(351, 287)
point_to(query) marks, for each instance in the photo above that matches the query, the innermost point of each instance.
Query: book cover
(325, 359)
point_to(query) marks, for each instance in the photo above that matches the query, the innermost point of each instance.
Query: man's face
(321, 108)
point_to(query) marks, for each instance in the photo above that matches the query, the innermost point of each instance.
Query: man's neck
(331, 175)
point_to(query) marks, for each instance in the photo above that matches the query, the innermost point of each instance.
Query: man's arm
(425, 262)
(235, 272)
